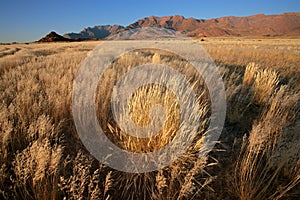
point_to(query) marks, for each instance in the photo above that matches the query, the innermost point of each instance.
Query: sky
(29, 20)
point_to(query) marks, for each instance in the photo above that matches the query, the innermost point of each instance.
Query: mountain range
(286, 24)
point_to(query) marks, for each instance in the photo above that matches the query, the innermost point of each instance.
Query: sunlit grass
(257, 157)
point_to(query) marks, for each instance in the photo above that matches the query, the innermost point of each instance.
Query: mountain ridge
(285, 24)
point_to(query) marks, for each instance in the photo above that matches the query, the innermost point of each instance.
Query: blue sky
(29, 20)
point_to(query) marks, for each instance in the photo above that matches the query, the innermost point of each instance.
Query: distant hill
(54, 37)
(287, 24)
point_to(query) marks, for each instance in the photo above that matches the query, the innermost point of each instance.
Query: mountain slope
(178, 23)
(98, 32)
(256, 25)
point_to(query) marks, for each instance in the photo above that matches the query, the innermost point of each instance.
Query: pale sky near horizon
(25, 21)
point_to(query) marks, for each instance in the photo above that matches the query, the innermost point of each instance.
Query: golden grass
(257, 158)
(263, 81)
(277, 54)
(264, 154)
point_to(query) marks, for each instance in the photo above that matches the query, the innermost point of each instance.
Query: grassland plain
(258, 155)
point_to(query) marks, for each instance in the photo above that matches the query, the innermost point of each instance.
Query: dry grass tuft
(265, 154)
(263, 81)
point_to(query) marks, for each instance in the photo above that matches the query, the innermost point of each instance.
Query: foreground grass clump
(270, 152)
(42, 157)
